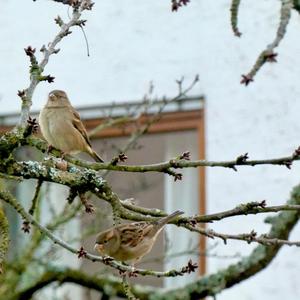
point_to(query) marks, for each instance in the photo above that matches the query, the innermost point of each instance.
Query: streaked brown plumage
(62, 128)
(130, 242)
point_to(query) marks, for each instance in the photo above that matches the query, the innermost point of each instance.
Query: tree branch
(175, 163)
(89, 180)
(163, 167)
(98, 283)
(209, 285)
(37, 69)
(4, 237)
(268, 55)
(259, 259)
(9, 199)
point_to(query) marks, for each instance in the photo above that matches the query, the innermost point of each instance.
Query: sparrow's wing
(79, 126)
(134, 233)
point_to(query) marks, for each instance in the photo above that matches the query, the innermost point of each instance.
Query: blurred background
(133, 44)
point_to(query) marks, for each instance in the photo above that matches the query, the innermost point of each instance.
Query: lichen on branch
(4, 237)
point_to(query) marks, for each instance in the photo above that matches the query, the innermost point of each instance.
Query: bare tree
(84, 179)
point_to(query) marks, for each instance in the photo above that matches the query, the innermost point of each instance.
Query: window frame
(171, 122)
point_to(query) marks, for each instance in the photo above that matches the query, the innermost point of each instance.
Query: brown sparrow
(62, 128)
(131, 241)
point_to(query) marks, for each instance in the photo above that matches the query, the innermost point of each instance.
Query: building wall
(132, 43)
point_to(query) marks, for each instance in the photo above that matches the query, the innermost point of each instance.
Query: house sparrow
(131, 241)
(62, 128)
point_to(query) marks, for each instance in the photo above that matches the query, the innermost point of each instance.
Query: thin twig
(36, 196)
(181, 164)
(9, 199)
(35, 78)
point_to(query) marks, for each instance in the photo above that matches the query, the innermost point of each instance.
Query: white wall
(134, 42)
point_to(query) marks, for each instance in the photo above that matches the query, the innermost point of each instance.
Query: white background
(134, 42)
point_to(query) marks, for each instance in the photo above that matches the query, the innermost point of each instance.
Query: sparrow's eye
(105, 241)
(52, 96)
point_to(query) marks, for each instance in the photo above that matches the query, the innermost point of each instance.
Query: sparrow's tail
(163, 221)
(95, 156)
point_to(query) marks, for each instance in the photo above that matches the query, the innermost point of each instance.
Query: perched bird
(130, 242)
(62, 128)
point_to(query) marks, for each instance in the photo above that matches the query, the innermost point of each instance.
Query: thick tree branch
(9, 199)
(98, 283)
(175, 163)
(259, 259)
(88, 180)
(297, 5)
(209, 285)
(4, 237)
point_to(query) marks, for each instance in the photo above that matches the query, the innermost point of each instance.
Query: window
(180, 128)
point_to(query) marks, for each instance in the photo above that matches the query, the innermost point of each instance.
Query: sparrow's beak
(99, 247)
(51, 96)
